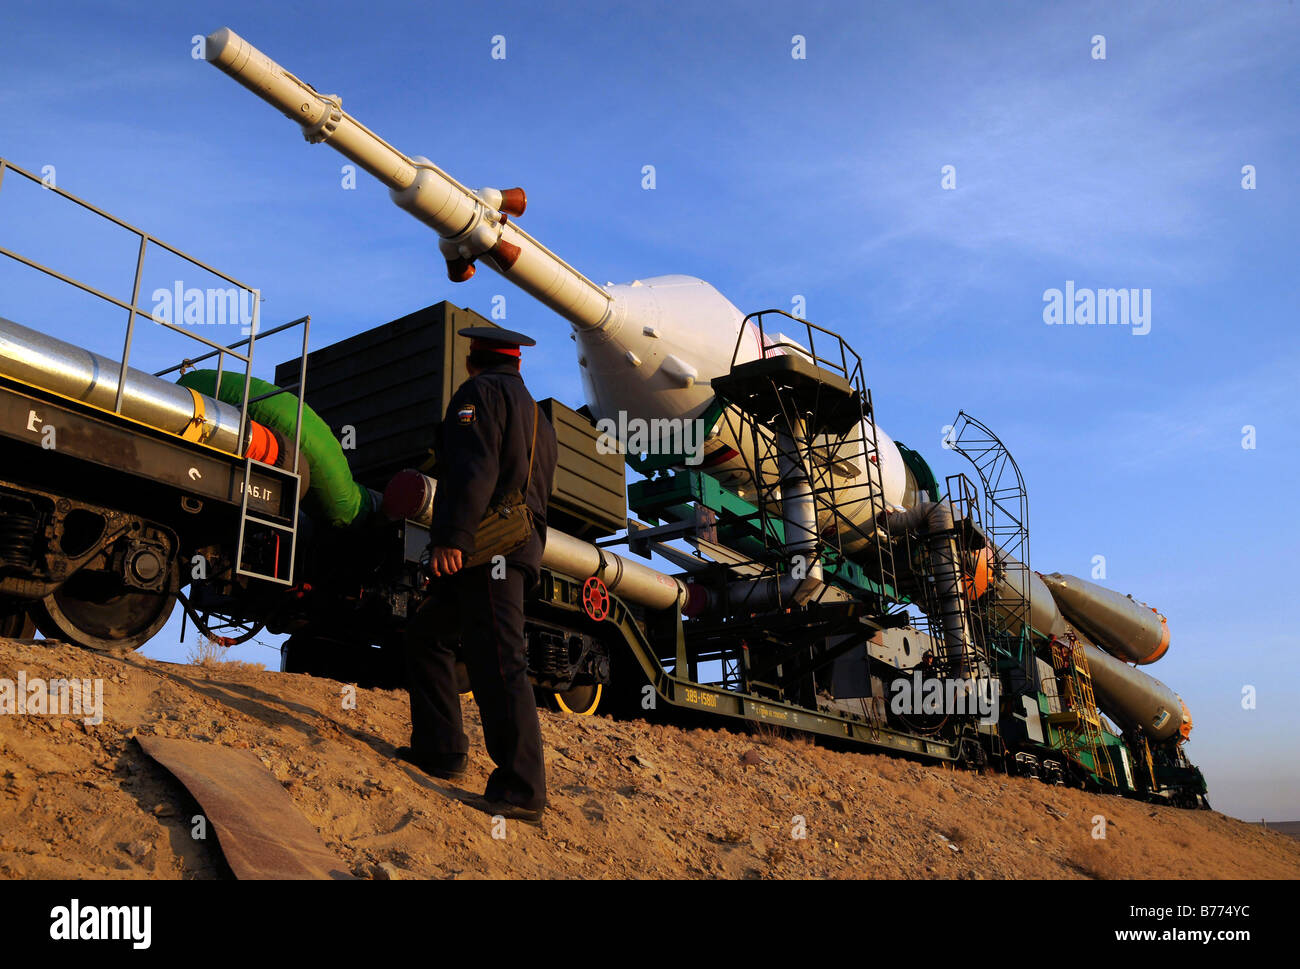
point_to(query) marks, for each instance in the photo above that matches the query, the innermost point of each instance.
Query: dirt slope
(629, 799)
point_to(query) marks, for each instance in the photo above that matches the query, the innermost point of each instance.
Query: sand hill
(629, 798)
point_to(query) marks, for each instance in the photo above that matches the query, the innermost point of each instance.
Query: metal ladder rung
(269, 524)
(281, 528)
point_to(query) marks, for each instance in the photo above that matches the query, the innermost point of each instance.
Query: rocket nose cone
(215, 44)
(1161, 649)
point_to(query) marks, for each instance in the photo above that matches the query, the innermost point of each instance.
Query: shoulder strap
(532, 450)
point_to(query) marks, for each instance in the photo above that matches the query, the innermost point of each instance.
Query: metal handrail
(218, 350)
(132, 307)
(853, 374)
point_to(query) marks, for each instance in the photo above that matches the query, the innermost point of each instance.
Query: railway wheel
(95, 611)
(579, 701)
(228, 630)
(15, 623)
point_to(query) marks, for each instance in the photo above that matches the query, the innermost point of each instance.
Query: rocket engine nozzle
(505, 255)
(460, 270)
(511, 201)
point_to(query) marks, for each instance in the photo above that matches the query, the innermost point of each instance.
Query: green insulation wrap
(925, 479)
(333, 492)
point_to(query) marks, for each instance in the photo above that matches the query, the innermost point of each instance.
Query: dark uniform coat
(482, 454)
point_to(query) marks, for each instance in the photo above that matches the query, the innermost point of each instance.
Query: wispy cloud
(1114, 165)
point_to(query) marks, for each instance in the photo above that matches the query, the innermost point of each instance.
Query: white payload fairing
(649, 350)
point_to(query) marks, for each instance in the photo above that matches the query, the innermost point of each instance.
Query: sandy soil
(628, 799)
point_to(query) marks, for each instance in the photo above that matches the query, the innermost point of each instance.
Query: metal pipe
(72, 371)
(759, 595)
(798, 509)
(410, 495)
(935, 520)
(625, 578)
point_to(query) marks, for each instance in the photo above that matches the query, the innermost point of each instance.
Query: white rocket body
(663, 342)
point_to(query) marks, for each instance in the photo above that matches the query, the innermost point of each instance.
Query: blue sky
(775, 177)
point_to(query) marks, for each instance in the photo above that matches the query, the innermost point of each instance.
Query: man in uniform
(483, 453)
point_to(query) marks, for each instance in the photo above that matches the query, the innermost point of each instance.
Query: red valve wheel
(595, 599)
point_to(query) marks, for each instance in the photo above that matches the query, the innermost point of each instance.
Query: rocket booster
(1118, 624)
(1135, 700)
(1113, 629)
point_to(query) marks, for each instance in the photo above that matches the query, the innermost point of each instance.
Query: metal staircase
(804, 411)
(1079, 722)
(1137, 742)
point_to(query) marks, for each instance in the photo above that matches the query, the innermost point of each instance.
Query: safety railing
(235, 350)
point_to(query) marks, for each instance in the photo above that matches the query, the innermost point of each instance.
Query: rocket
(649, 349)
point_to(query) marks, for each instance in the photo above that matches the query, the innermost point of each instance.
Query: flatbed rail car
(590, 648)
(98, 528)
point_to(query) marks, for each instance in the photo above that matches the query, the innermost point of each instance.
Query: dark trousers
(487, 616)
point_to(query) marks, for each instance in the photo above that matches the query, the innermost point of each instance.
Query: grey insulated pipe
(67, 369)
(798, 510)
(410, 495)
(623, 577)
(760, 595)
(936, 521)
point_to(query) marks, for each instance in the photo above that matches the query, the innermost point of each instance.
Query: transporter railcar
(300, 507)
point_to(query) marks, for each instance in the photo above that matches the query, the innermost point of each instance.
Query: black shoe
(505, 809)
(448, 767)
